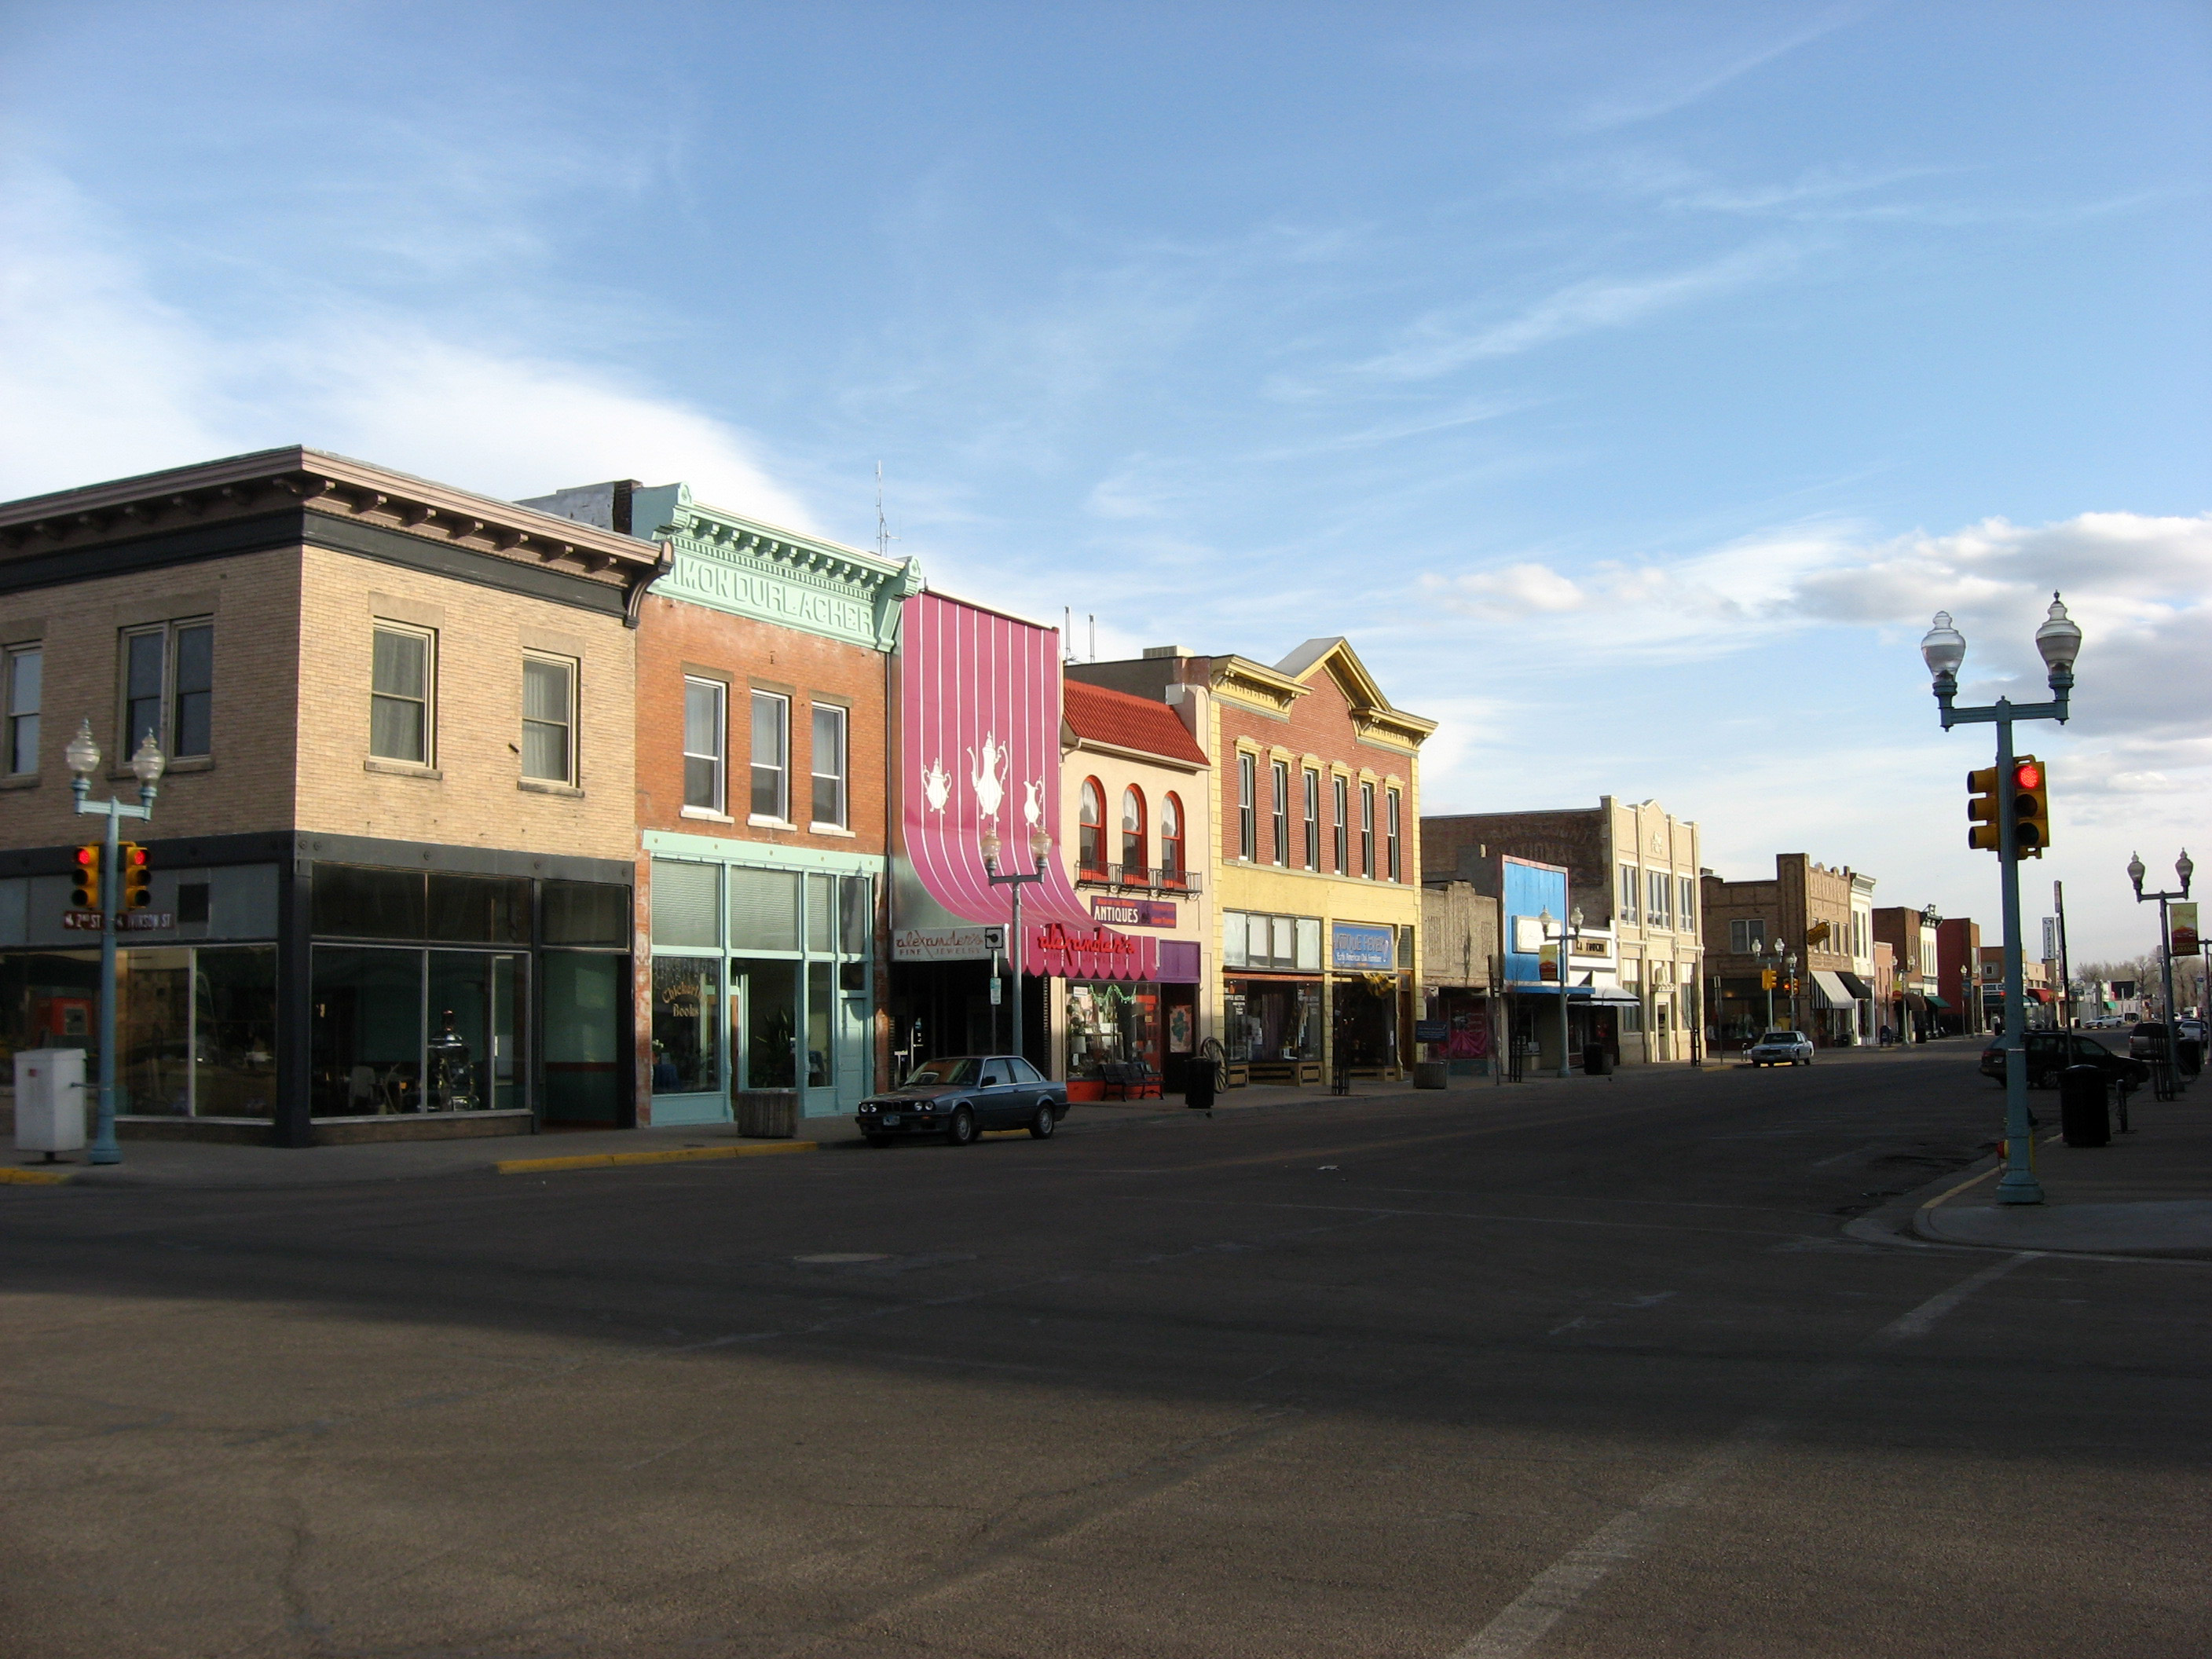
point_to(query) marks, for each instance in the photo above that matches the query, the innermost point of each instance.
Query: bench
(1121, 1076)
(1296, 1072)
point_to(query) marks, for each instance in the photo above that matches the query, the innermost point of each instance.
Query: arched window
(1171, 841)
(1132, 834)
(1091, 845)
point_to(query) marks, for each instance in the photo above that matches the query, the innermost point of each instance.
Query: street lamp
(84, 756)
(1040, 850)
(2058, 642)
(2184, 868)
(1570, 931)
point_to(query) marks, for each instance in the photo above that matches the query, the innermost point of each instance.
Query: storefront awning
(1860, 990)
(979, 755)
(1611, 996)
(2037, 994)
(1916, 1002)
(1830, 990)
(1938, 1004)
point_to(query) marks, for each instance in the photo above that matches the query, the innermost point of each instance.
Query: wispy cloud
(1682, 78)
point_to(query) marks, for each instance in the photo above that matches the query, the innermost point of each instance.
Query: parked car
(2050, 1053)
(2104, 1022)
(1781, 1049)
(959, 1096)
(2147, 1040)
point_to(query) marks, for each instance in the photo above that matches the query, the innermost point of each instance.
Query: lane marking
(1974, 1180)
(1568, 1582)
(629, 1160)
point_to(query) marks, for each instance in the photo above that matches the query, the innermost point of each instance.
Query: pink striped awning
(978, 752)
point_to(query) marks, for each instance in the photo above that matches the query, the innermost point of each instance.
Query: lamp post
(1570, 931)
(84, 756)
(1785, 969)
(2186, 869)
(2058, 642)
(1040, 850)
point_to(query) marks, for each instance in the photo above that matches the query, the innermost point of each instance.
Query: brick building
(763, 663)
(1314, 796)
(1816, 914)
(393, 854)
(1632, 872)
(1959, 971)
(1916, 1004)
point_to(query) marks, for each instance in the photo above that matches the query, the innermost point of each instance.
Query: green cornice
(750, 569)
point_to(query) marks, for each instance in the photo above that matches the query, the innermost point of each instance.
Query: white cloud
(100, 378)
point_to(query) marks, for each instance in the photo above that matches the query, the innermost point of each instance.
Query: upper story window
(1343, 832)
(771, 757)
(1280, 778)
(705, 719)
(1745, 936)
(1248, 808)
(829, 763)
(1132, 834)
(1367, 831)
(1629, 883)
(1390, 834)
(1171, 863)
(402, 694)
(1659, 912)
(1313, 818)
(168, 688)
(1689, 911)
(24, 671)
(1090, 830)
(549, 718)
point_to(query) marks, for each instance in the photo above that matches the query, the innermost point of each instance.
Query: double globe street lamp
(1040, 850)
(2058, 642)
(2185, 868)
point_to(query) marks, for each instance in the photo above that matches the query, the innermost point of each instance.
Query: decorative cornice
(1242, 680)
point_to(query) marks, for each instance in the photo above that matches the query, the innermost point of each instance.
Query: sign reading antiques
(1134, 912)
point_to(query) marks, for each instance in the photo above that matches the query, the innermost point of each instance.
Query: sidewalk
(2148, 1192)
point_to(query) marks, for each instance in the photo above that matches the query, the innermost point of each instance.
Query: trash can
(2083, 1116)
(2189, 1052)
(1597, 1060)
(1431, 1074)
(1198, 1085)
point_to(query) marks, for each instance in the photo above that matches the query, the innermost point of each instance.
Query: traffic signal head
(84, 879)
(137, 880)
(1982, 809)
(2030, 807)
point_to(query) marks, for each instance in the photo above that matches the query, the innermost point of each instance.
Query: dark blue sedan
(960, 1096)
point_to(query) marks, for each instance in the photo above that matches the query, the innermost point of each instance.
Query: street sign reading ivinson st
(129, 921)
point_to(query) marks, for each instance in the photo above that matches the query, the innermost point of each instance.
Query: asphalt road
(1581, 1368)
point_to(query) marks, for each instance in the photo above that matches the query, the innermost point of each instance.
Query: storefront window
(471, 1064)
(400, 1031)
(585, 996)
(763, 909)
(769, 1011)
(153, 1034)
(683, 903)
(1272, 1019)
(1367, 1019)
(686, 1024)
(1110, 1021)
(821, 1021)
(234, 1032)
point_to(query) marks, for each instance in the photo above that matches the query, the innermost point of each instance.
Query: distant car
(2191, 1030)
(959, 1096)
(1781, 1049)
(2049, 1053)
(2104, 1022)
(2147, 1040)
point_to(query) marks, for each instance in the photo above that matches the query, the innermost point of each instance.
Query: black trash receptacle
(2083, 1116)
(2189, 1052)
(1597, 1060)
(1198, 1085)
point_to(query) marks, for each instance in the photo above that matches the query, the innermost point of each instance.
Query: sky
(1630, 384)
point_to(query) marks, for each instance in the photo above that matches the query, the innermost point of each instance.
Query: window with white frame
(549, 719)
(705, 715)
(1629, 910)
(25, 665)
(1367, 831)
(1247, 807)
(1279, 775)
(1391, 833)
(402, 694)
(168, 688)
(828, 761)
(771, 756)
(1313, 818)
(1746, 935)
(1341, 788)
(1689, 911)
(1659, 912)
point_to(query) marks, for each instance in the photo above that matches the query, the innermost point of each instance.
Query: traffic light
(1982, 809)
(1766, 979)
(84, 883)
(2030, 807)
(137, 880)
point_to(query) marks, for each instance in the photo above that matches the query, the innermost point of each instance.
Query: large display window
(1272, 1019)
(686, 1024)
(400, 1031)
(1110, 1021)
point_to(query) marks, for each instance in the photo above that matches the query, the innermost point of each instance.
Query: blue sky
(1630, 383)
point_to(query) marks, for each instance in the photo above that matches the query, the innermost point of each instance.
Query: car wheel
(877, 1140)
(1043, 1125)
(962, 1129)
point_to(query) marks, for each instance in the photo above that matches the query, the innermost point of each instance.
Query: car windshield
(937, 1074)
(1779, 1036)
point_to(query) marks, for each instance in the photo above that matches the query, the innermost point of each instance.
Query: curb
(15, 1177)
(630, 1160)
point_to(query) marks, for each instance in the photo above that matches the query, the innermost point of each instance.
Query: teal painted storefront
(762, 974)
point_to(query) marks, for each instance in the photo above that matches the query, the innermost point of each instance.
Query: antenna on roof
(1094, 637)
(883, 536)
(1067, 633)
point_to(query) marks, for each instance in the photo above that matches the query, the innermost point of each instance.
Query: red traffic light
(87, 855)
(2027, 774)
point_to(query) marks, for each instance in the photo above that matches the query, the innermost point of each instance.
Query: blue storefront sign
(1363, 946)
(1531, 891)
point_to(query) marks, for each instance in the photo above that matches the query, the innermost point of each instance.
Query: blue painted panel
(1355, 944)
(1529, 892)
(674, 1109)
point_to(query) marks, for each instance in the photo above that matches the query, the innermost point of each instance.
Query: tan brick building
(394, 845)
(762, 664)
(1807, 907)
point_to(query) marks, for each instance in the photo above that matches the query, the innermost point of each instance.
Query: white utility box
(50, 1100)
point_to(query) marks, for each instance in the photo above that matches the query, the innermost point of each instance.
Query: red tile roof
(1098, 715)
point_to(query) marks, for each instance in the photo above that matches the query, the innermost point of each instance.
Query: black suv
(2050, 1053)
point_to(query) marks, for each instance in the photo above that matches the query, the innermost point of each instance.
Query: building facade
(1917, 1004)
(393, 851)
(1812, 910)
(1633, 867)
(1314, 796)
(1959, 972)
(761, 744)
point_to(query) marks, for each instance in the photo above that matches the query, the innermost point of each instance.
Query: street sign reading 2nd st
(131, 922)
